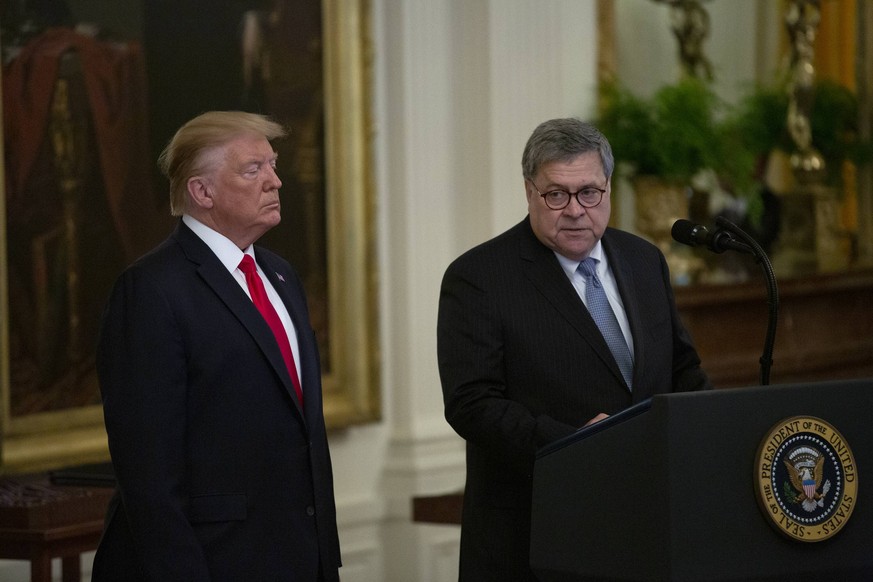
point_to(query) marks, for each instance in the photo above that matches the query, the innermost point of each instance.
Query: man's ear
(528, 190)
(199, 193)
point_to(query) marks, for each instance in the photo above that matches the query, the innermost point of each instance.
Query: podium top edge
(585, 432)
(645, 405)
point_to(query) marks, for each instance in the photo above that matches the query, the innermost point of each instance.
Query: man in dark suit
(521, 359)
(214, 417)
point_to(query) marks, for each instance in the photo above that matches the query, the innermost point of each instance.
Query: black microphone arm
(722, 239)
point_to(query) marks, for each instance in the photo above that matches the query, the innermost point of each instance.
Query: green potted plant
(669, 136)
(676, 148)
(673, 135)
(761, 121)
(835, 131)
(664, 142)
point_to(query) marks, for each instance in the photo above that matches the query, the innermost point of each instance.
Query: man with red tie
(211, 383)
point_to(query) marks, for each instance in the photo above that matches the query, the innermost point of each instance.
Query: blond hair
(187, 154)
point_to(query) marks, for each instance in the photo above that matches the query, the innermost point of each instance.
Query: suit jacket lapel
(228, 290)
(545, 273)
(624, 278)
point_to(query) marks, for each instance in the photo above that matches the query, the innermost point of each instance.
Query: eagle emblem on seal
(805, 468)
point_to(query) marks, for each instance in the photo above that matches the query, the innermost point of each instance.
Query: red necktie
(262, 302)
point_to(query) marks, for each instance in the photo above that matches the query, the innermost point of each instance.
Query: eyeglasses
(587, 197)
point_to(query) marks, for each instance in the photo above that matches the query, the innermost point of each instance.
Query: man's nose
(575, 208)
(273, 178)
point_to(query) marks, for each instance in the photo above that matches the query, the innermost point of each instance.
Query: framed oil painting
(92, 91)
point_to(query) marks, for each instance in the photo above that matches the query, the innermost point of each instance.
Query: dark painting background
(92, 199)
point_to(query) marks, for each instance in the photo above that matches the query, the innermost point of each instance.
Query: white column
(543, 66)
(461, 85)
(417, 133)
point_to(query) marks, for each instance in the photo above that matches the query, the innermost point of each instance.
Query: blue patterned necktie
(604, 317)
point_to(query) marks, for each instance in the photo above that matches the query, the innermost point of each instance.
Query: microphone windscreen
(682, 232)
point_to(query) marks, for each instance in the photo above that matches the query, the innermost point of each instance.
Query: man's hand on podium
(597, 418)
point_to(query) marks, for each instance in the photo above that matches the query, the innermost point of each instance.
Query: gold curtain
(836, 44)
(835, 50)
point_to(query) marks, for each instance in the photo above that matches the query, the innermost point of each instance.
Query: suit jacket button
(310, 511)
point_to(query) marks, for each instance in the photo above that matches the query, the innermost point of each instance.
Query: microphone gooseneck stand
(761, 258)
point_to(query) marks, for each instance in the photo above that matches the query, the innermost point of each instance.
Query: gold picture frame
(47, 440)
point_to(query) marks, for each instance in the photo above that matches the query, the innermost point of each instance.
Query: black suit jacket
(522, 364)
(222, 475)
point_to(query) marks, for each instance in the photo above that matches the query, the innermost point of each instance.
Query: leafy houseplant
(685, 128)
(673, 135)
(822, 241)
(760, 121)
(666, 142)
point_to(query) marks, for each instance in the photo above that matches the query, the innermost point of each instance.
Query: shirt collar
(224, 248)
(570, 266)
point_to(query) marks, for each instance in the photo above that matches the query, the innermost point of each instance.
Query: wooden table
(824, 331)
(40, 521)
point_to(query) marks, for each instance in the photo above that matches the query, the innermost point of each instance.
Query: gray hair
(562, 140)
(188, 153)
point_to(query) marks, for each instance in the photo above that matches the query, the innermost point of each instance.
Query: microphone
(688, 233)
(722, 239)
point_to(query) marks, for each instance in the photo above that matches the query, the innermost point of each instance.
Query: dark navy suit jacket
(222, 475)
(522, 363)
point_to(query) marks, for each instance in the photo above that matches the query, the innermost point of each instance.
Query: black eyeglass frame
(570, 195)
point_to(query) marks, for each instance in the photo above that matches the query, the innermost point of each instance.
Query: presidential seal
(806, 478)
